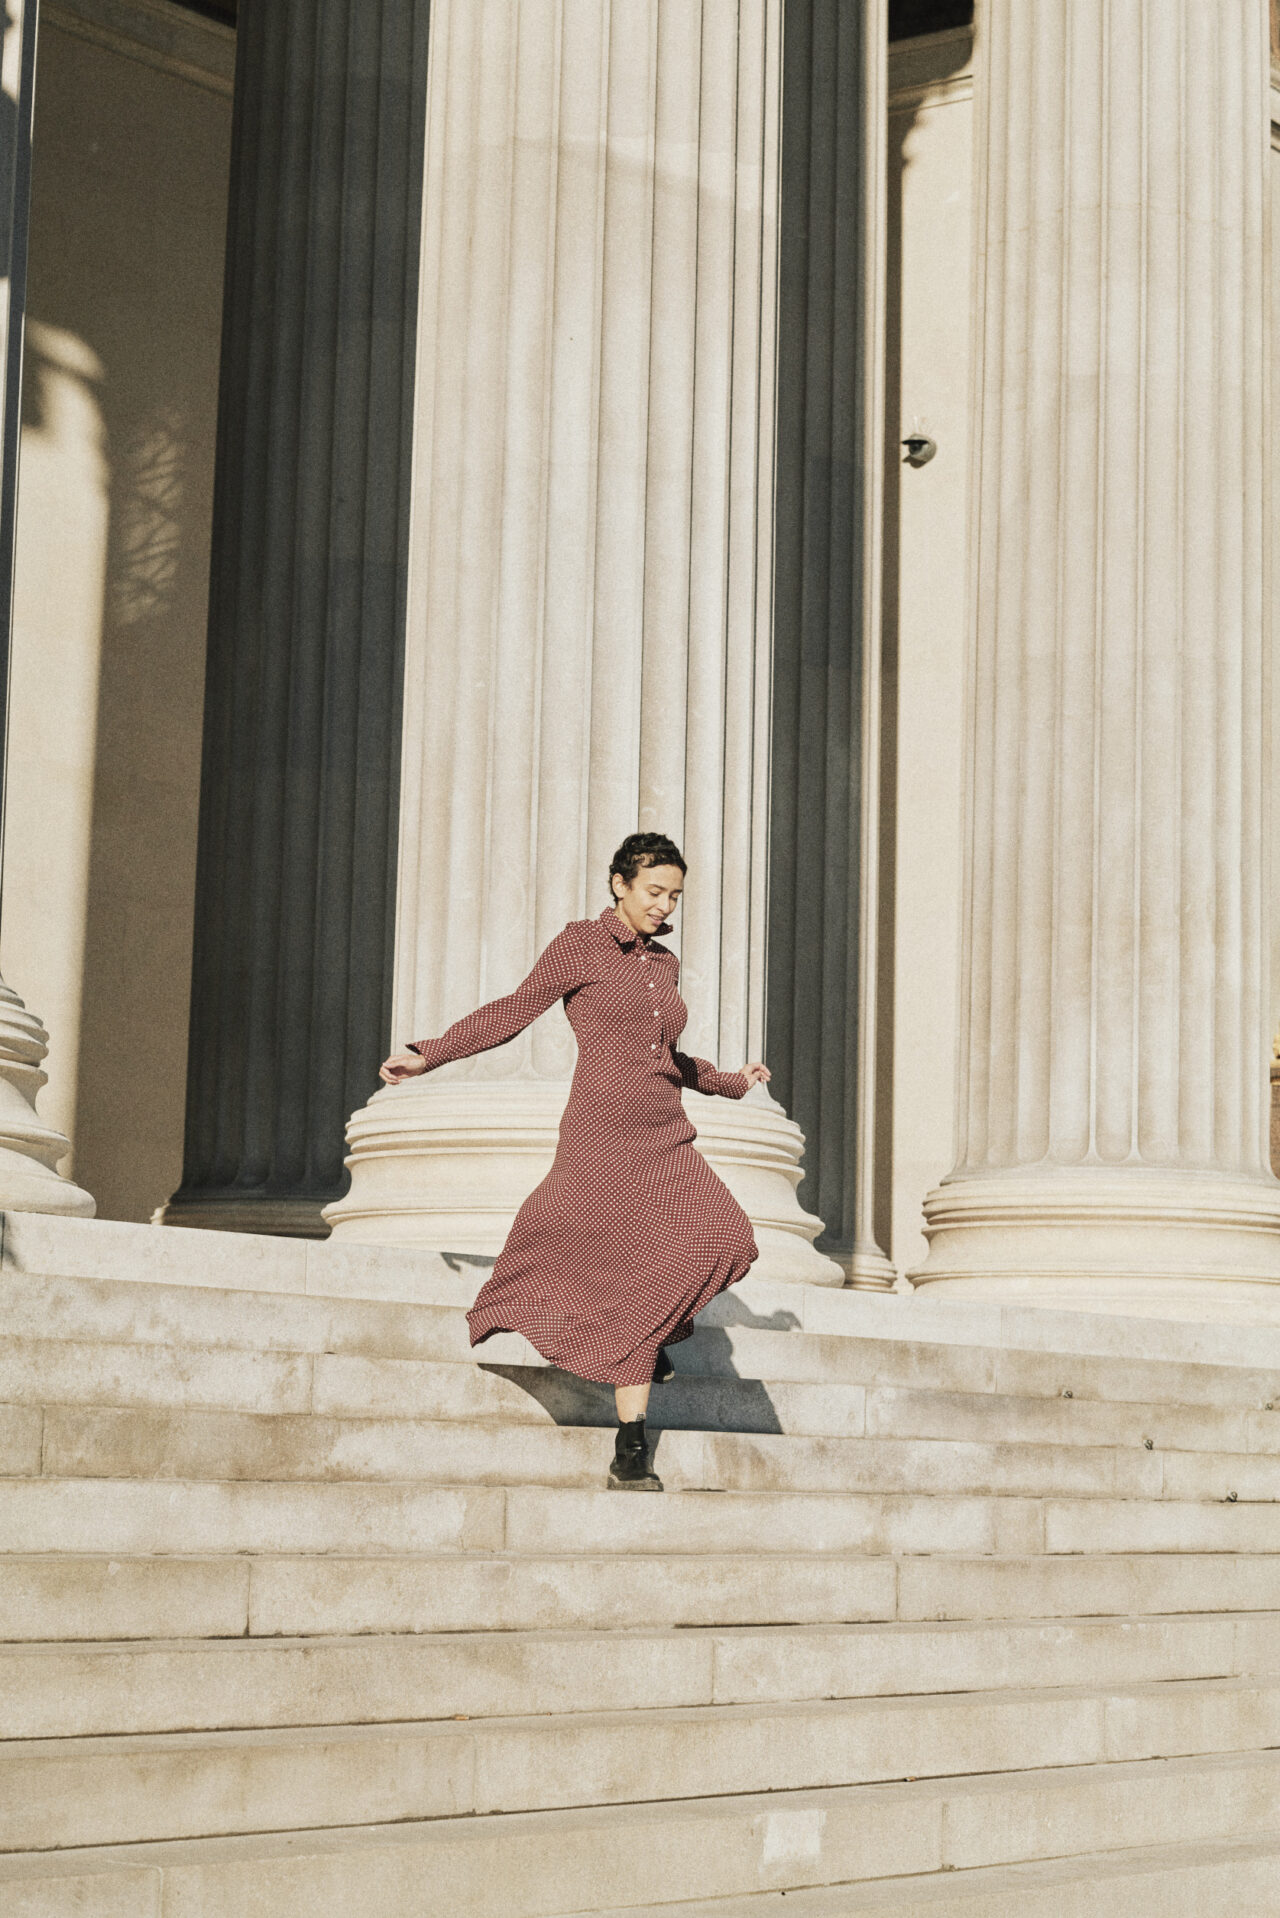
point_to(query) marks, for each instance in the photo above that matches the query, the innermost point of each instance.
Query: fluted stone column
(295, 881)
(29, 1149)
(1113, 1110)
(588, 647)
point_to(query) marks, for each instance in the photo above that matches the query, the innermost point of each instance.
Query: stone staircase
(946, 1610)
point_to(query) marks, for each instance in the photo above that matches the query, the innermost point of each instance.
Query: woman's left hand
(756, 1075)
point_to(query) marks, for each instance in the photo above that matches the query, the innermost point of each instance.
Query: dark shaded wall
(295, 886)
(909, 17)
(821, 455)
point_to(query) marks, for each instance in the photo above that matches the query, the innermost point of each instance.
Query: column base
(870, 1270)
(1157, 1243)
(29, 1149)
(448, 1164)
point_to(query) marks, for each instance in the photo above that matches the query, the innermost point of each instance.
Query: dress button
(653, 1048)
(655, 1012)
(651, 985)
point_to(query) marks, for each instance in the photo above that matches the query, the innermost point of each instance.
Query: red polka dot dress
(631, 1232)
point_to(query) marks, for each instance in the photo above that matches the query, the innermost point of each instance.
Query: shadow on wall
(127, 229)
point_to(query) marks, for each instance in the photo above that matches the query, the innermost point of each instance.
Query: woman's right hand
(401, 1066)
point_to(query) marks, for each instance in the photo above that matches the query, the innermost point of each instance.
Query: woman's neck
(635, 931)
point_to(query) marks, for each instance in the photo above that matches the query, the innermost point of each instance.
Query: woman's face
(651, 898)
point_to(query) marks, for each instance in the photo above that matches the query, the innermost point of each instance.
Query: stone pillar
(588, 647)
(29, 1149)
(1113, 1083)
(295, 881)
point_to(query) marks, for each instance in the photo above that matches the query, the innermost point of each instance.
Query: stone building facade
(456, 435)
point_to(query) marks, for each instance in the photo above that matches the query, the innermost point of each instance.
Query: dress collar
(617, 926)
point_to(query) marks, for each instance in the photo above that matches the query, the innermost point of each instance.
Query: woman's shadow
(707, 1394)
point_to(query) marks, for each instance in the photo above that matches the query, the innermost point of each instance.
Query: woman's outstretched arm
(701, 1076)
(557, 972)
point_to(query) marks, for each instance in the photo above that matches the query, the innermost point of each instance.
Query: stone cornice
(156, 33)
(931, 69)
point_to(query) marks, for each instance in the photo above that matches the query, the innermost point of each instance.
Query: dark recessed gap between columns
(295, 888)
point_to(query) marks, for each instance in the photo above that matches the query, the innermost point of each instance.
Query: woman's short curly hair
(641, 849)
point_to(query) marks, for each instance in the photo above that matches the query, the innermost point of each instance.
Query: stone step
(53, 1690)
(123, 1311)
(553, 1519)
(611, 1859)
(85, 1441)
(36, 1245)
(96, 1598)
(121, 1790)
(1147, 1881)
(356, 1387)
(148, 1374)
(727, 1344)
(185, 1517)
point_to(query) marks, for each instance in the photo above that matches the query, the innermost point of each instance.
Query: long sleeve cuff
(731, 1085)
(432, 1052)
(701, 1076)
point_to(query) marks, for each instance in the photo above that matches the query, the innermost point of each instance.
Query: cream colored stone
(111, 1791)
(1049, 1419)
(1101, 1525)
(930, 139)
(1106, 1807)
(61, 1692)
(783, 1748)
(104, 1249)
(47, 1888)
(86, 1441)
(1139, 1882)
(545, 1519)
(633, 309)
(160, 1313)
(63, 1598)
(20, 1439)
(578, 1591)
(57, 1691)
(853, 1661)
(414, 1274)
(594, 1859)
(1208, 1715)
(1195, 1475)
(1115, 1009)
(80, 1515)
(581, 1857)
(30, 1149)
(1122, 1582)
(94, 1372)
(350, 1386)
(120, 1790)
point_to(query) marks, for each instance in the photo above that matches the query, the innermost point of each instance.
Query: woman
(631, 1232)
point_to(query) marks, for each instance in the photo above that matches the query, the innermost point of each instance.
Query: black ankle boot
(631, 1470)
(663, 1369)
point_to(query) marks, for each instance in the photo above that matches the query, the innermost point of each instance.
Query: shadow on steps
(707, 1393)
